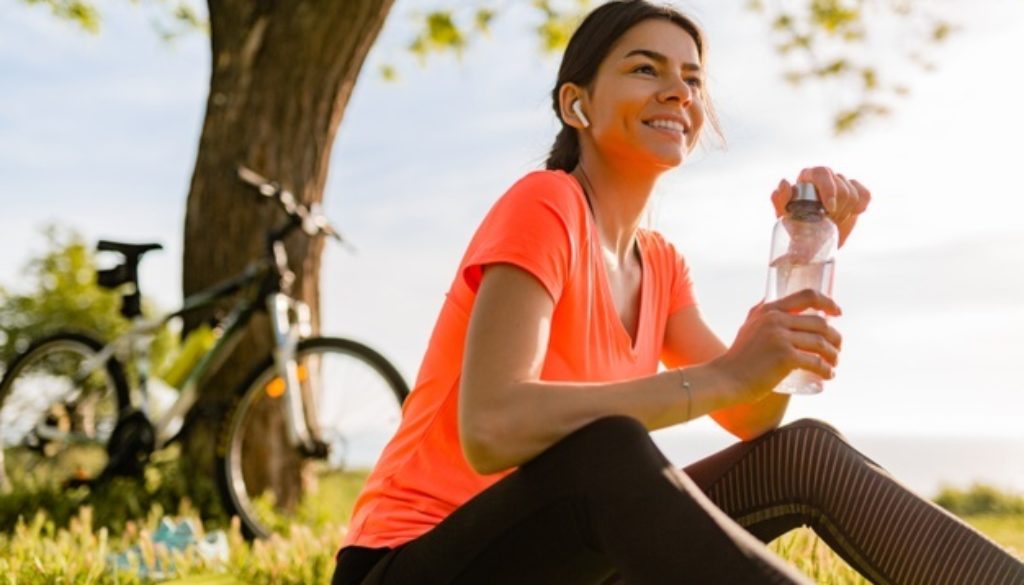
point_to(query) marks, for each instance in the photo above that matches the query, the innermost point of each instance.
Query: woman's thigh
(542, 523)
(529, 527)
(527, 544)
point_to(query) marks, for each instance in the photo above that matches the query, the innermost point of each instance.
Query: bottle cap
(804, 192)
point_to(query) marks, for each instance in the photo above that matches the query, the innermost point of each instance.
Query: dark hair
(589, 46)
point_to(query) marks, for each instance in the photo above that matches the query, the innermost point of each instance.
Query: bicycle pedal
(319, 450)
(130, 445)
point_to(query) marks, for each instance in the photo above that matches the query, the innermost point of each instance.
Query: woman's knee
(816, 425)
(615, 457)
(617, 425)
(613, 443)
(612, 434)
(825, 439)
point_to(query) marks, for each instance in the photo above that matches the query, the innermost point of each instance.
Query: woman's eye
(695, 82)
(644, 69)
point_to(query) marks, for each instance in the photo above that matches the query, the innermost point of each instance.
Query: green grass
(42, 551)
(804, 550)
(38, 552)
(1006, 530)
(316, 510)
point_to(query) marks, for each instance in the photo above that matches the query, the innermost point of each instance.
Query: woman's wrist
(732, 387)
(703, 389)
(684, 382)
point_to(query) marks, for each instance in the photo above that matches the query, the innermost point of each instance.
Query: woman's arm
(688, 340)
(507, 415)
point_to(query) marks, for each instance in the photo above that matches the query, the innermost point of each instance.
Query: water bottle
(804, 244)
(162, 389)
(199, 341)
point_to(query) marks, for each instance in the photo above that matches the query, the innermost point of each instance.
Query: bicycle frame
(289, 318)
(290, 322)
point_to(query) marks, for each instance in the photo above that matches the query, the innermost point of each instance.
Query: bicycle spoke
(353, 401)
(55, 416)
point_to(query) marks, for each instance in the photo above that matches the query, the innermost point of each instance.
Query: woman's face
(646, 106)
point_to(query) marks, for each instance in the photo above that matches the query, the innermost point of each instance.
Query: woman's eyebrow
(659, 58)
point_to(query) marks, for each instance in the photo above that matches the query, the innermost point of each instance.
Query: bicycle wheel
(55, 416)
(353, 398)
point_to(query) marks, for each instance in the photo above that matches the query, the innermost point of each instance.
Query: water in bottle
(804, 244)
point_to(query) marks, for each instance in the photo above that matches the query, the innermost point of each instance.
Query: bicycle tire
(261, 479)
(41, 391)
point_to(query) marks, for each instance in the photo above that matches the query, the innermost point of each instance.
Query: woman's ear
(572, 105)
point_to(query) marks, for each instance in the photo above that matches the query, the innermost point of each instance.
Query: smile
(668, 127)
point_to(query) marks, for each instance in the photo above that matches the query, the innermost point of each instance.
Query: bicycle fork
(290, 320)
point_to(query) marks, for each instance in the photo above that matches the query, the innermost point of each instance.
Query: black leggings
(604, 506)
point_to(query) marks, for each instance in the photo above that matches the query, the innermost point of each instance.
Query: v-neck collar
(609, 301)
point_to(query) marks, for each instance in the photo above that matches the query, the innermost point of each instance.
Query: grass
(804, 550)
(1006, 530)
(40, 551)
(37, 552)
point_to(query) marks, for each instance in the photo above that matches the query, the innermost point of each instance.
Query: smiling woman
(635, 70)
(524, 454)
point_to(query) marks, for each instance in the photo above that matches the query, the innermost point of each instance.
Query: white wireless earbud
(576, 107)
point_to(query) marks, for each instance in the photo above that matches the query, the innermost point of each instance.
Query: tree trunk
(281, 76)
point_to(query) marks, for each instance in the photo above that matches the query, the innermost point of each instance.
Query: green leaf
(443, 32)
(79, 12)
(388, 72)
(418, 46)
(188, 19)
(483, 19)
(755, 5)
(805, 42)
(854, 35)
(554, 34)
(941, 31)
(557, 28)
(439, 33)
(794, 77)
(179, 17)
(870, 78)
(545, 7)
(832, 69)
(782, 22)
(833, 15)
(847, 120)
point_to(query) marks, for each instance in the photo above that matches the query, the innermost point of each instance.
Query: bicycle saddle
(126, 249)
(127, 271)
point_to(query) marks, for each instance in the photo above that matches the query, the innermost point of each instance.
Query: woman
(524, 456)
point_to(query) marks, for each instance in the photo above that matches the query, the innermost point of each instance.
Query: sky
(99, 133)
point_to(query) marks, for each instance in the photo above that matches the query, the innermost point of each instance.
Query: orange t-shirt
(544, 226)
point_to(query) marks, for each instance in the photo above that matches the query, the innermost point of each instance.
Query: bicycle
(69, 418)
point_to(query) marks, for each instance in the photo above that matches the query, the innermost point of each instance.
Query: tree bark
(281, 76)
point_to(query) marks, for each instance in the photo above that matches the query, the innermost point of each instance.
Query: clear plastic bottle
(163, 389)
(196, 344)
(804, 244)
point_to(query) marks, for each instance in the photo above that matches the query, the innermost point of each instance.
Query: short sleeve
(681, 292)
(532, 226)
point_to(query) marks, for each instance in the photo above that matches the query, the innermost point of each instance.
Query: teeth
(668, 125)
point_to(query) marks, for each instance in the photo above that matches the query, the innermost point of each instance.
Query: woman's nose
(678, 89)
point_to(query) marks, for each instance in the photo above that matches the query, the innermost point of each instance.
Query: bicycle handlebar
(311, 220)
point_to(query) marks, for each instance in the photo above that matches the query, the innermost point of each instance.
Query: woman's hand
(844, 199)
(775, 340)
